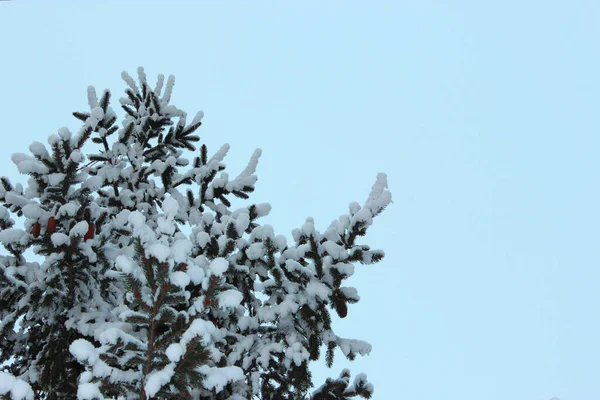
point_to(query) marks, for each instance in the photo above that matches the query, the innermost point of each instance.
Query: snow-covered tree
(149, 285)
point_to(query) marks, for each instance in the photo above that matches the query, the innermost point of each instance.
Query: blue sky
(484, 115)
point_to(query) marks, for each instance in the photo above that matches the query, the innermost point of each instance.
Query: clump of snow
(64, 133)
(124, 264)
(158, 251)
(89, 391)
(251, 167)
(263, 209)
(130, 82)
(93, 183)
(255, 251)
(181, 250)
(170, 206)
(202, 238)
(198, 117)
(217, 378)
(354, 346)
(136, 219)
(55, 179)
(230, 298)
(18, 389)
(218, 266)
(379, 197)
(168, 89)
(195, 273)
(59, 239)
(11, 235)
(69, 210)
(180, 278)
(166, 225)
(174, 352)
(158, 379)
(316, 288)
(83, 350)
(33, 211)
(80, 229)
(38, 149)
(92, 97)
(76, 156)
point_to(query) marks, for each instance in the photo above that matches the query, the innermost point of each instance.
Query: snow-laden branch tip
(251, 167)
(159, 84)
(168, 90)
(130, 82)
(198, 117)
(380, 197)
(17, 388)
(220, 154)
(142, 75)
(92, 97)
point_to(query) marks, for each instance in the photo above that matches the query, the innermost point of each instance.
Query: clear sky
(483, 114)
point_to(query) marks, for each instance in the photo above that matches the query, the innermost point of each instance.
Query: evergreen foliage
(150, 286)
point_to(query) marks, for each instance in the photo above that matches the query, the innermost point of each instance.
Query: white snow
(353, 345)
(92, 97)
(142, 75)
(80, 229)
(38, 149)
(220, 154)
(230, 298)
(316, 288)
(379, 196)
(195, 273)
(93, 183)
(170, 206)
(174, 352)
(158, 251)
(55, 179)
(218, 266)
(124, 264)
(83, 351)
(89, 391)
(31, 166)
(309, 227)
(158, 379)
(64, 133)
(202, 238)
(166, 225)
(181, 249)
(159, 84)
(251, 167)
(136, 219)
(333, 249)
(69, 209)
(52, 139)
(32, 211)
(280, 242)
(179, 278)
(242, 222)
(255, 251)
(59, 239)
(198, 117)
(97, 113)
(168, 89)
(76, 156)
(130, 82)
(263, 209)
(217, 378)
(18, 389)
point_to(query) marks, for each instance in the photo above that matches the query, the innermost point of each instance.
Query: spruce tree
(150, 285)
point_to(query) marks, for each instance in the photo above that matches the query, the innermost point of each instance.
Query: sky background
(484, 115)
